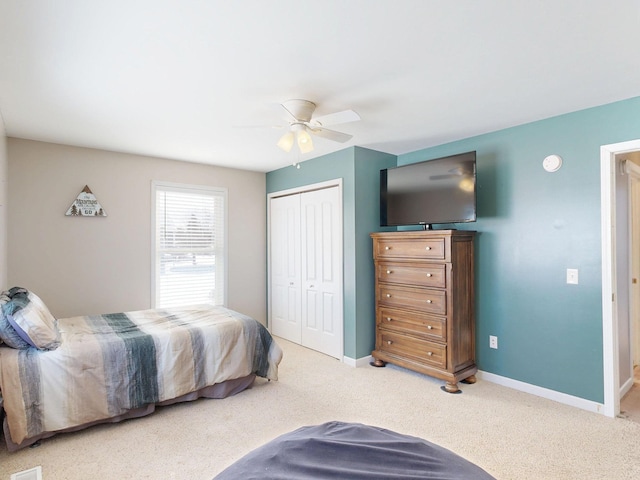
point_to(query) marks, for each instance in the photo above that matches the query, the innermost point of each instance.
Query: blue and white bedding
(105, 366)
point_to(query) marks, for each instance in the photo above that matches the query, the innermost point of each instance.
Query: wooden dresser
(425, 317)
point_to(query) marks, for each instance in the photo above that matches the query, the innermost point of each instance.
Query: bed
(354, 451)
(60, 375)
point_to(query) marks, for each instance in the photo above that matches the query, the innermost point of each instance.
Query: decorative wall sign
(86, 205)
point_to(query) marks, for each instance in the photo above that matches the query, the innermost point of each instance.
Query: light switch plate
(572, 276)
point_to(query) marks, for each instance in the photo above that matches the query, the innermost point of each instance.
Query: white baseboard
(626, 386)
(559, 397)
(360, 362)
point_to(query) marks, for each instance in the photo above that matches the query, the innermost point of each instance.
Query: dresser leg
(450, 388)
(470, 380)
(377, 363)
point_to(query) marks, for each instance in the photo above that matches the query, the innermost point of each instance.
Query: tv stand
(425, 318)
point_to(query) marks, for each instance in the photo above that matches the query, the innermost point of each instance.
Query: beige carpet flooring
(510, 434)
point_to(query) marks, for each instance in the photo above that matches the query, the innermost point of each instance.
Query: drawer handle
(429, 327)
(429, 301)
(430, 353)
(389, 272)
(389, 319)
(389, 342)
(429, 275)
(388, 295)
(387, 248)
(428, 248)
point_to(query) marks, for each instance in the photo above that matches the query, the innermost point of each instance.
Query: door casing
(609, 165)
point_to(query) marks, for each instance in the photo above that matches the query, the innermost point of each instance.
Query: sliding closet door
(285, 267)
(321, 232)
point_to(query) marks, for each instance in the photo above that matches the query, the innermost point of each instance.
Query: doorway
(630, 393)
(306, 266)
(618, 314)
(635, 269)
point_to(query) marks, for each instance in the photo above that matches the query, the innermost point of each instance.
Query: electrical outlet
(493, 341)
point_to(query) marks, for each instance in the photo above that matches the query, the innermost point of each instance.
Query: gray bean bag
(338, 450)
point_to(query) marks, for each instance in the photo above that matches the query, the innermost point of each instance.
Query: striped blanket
(107, 365)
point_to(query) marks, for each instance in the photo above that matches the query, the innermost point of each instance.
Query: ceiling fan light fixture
(286, 141)
(301, 125)
(305, 144)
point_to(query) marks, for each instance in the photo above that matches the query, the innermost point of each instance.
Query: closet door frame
(297, 190)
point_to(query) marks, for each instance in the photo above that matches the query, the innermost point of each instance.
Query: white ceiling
(176, 79)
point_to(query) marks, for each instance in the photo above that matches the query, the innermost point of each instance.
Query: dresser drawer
(427, 248)
(415, 349)
(423, 299)
(431, 327)
(428, 275)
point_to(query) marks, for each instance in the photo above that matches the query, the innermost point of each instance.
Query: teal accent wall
(532, 226)
(368, 164)
(359, 170)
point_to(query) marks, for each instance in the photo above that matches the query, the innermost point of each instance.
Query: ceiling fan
(302, 125)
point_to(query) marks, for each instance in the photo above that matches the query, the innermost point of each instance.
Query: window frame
(158, 185)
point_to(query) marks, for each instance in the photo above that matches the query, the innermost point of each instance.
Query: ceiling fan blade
(330, 134)
(336, 118)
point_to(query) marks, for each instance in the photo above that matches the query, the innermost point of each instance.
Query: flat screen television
(436, 191)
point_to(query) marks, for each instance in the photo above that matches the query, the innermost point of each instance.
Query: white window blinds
(189, 245)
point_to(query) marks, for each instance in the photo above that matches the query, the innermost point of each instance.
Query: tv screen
(434, 191)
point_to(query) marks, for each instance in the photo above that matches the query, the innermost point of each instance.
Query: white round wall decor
(552, 163)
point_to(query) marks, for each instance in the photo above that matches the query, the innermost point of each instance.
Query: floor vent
(31, 474)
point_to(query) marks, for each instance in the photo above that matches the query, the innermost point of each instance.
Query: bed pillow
(2, 302)
(7, 334)
(30, 319)
(10, 336)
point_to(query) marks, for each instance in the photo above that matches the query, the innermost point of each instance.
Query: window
(189, 245)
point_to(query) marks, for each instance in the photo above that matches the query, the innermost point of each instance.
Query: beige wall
(81, 265)
(3, 207)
